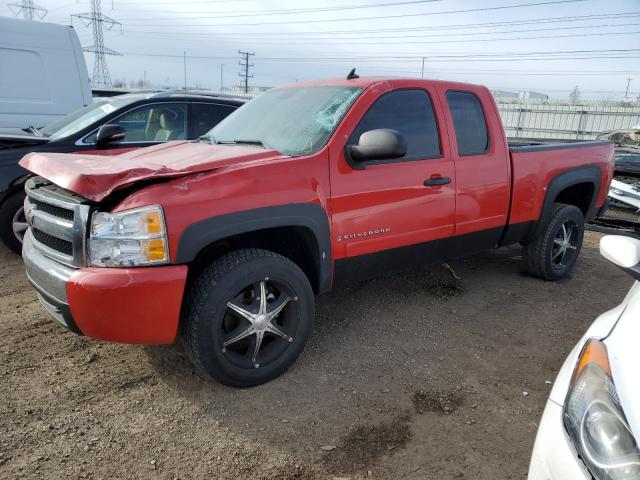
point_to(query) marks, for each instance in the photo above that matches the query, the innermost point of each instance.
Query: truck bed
(533, 165)
(529, 146)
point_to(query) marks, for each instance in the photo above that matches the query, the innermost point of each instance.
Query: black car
(113, 126)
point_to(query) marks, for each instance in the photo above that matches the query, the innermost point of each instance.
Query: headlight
(595, 421)
(128, 239)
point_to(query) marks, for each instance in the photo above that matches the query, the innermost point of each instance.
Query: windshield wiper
(260, 143)
(32, 129)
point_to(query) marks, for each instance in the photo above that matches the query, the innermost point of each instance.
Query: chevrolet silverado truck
(224, 242)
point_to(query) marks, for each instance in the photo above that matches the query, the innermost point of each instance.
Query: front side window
(469, 123)
(152, 123)
(294, 121)
(410, 112)
(78, 120)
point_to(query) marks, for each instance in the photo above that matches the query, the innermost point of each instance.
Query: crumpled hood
(96, 176)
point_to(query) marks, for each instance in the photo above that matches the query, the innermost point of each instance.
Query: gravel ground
(422, 376)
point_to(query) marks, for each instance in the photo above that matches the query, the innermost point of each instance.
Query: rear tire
(13, 225)
(553, 253)
(247, 317)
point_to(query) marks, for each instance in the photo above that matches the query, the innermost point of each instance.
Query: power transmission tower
(99, 23)
(28, 9)
(244, 63)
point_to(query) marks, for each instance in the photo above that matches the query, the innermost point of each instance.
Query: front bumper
(49, 278)
(124, 305)
(554, 457)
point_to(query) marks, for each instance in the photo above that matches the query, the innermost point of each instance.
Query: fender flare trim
(583, 174)
(199, 235)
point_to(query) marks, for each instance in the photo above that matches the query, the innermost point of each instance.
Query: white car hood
(624, 358)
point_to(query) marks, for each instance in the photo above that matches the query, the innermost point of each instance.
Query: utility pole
(28, 10)
(626, 93)
(221, 76)
(422, 75)
(185, 70)
(244, 63)
(99, 23)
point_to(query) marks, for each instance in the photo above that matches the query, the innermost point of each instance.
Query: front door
(390, 213)
(144, 126)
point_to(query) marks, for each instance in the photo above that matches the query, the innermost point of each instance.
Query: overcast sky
(505, 44)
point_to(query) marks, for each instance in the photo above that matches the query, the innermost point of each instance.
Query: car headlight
(129, 238)
(595, 421)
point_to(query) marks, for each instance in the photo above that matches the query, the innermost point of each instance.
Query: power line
(432, 59)
(186, 3)
(99, 23)
(404, 30)
(244, 73)
(385, 17)
(29, 10)
(403, 41)
(176, 35)
(293, 11)
(428, 55)
(406, 41)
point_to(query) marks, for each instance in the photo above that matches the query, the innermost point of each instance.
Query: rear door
(482, 164)
(380, 206)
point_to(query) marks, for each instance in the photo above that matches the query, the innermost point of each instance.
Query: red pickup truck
(224, 241)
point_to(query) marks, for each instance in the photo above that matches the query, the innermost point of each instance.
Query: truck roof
(365, 82)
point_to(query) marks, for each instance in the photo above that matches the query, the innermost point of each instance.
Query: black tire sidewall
(7, 211)
(564, 214)
(206, 341)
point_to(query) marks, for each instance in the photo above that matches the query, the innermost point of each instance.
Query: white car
(591, 423)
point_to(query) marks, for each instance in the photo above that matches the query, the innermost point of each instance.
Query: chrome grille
(55, 243)
(52, 210)
(58, 221)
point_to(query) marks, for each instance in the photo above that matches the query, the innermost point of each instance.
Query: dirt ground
(421, 376)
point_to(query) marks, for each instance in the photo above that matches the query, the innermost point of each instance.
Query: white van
(43, 75)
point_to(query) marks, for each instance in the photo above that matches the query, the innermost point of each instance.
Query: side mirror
(622, 251)
(381, 144)
(108, 134)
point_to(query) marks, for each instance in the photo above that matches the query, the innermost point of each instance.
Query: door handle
(436, 181)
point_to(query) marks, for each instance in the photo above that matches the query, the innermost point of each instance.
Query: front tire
(247, 317)
(13, 224)
(553, 253)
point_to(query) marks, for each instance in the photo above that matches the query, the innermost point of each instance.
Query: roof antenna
(352, 75)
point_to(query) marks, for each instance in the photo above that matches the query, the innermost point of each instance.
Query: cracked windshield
(293, 121)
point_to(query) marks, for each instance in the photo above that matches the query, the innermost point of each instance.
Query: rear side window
(410, 112)
(469, 122)
(205, 116)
